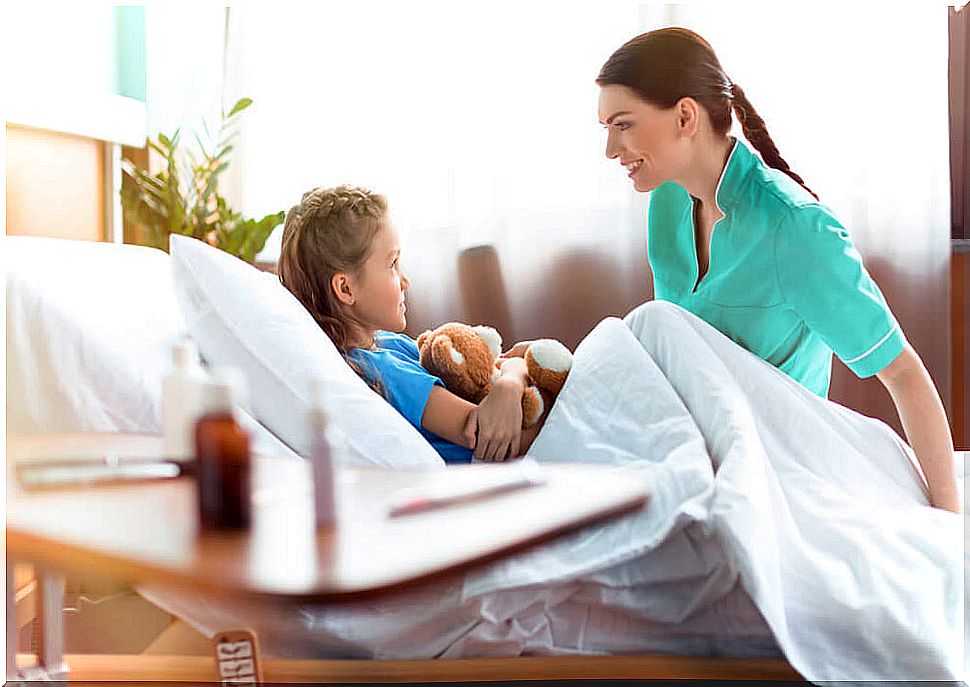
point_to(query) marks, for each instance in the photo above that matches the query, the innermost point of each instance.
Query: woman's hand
(499, 416)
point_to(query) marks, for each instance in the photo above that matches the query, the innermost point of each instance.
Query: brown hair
(665, 65)
(331, 230)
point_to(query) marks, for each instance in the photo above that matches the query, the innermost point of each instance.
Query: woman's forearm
(924, 421)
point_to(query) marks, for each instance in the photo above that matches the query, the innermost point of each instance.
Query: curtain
(959, 21)
(479, 123)
(184, 64)
(960, 225)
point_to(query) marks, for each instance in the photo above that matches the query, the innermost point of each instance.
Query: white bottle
(322, 467)
(181, 402)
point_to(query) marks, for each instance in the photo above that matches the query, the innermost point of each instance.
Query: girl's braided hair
(331, 230)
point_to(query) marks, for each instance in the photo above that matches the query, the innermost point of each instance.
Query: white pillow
(246, 318)
(90, 327)
(89, 333)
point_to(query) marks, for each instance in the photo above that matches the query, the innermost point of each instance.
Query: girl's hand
(499, 416)
(517, 351)
(470, 431)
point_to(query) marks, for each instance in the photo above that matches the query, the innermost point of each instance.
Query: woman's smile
(632, 167)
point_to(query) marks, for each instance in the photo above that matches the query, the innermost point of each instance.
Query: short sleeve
(406, 385)
(822, 277)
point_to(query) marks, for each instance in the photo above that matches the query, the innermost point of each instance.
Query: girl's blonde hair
(331, 230)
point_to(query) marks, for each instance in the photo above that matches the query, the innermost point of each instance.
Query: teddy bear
(464, 358)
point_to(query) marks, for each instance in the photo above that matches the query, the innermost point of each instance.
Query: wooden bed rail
(93, 668)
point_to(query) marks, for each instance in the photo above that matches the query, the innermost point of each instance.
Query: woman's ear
(343, 287)
(688, 115)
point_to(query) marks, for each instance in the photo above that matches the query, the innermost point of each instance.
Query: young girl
(341, 259)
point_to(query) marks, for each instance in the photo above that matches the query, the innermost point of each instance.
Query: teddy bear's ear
(491, 337)
(446, 357)
(422, 337)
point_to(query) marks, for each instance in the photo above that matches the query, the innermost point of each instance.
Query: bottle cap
(184, 354)
(223, 390)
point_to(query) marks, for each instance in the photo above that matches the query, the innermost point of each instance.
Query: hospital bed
(89, 331)
(89, 328)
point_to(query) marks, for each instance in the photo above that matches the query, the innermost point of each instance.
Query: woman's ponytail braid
(754, 130)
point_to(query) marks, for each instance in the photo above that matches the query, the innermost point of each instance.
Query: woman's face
(646, 139)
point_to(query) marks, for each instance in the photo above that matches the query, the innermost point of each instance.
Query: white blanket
(763, 493)
(818, 510)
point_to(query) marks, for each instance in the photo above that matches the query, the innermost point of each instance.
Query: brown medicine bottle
(222, 459)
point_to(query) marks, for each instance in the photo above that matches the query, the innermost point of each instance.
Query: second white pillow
(246, 318)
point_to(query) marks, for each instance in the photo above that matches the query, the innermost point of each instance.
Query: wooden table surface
(148, 532)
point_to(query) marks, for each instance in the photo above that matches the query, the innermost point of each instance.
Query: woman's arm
(924, 421)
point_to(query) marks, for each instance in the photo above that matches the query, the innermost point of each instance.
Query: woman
(745, 245)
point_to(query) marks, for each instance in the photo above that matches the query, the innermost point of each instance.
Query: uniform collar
(739, 162)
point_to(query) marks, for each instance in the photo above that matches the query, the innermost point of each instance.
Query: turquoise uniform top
(784, 279)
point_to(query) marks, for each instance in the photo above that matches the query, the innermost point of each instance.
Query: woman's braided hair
(331, 230)
(665, 65)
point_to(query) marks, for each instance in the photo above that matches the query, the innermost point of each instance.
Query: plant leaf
(240, 105)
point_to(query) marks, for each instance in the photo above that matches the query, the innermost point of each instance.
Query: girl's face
(380, 284)
(647, 140)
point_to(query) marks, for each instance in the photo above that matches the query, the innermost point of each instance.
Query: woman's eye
(622, 126)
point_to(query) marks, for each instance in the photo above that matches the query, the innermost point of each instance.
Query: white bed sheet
(817, 509)
(776, 514)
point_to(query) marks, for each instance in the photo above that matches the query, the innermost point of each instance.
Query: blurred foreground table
(147, 532)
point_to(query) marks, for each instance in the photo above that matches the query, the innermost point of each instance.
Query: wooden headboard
(55, 184)
(64, 164)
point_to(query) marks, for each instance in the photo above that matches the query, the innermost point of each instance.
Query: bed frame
(196, 669)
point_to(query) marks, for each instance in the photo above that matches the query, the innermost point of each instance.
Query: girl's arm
(517, 351)
(494, 428)
(447, 415)
(924, 421)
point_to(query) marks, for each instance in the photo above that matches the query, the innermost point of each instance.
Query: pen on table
(66, 472)
(434, 499)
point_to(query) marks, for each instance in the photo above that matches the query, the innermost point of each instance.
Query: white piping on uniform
(693, 225)
(717, 190)
(881, 342)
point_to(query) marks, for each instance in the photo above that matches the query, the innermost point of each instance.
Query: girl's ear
(343, 287)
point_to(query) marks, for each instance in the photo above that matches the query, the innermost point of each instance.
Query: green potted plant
(183, 198)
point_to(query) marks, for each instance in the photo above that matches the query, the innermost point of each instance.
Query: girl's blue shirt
(396, 365)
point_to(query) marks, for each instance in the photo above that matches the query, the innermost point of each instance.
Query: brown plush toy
(463, 357)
